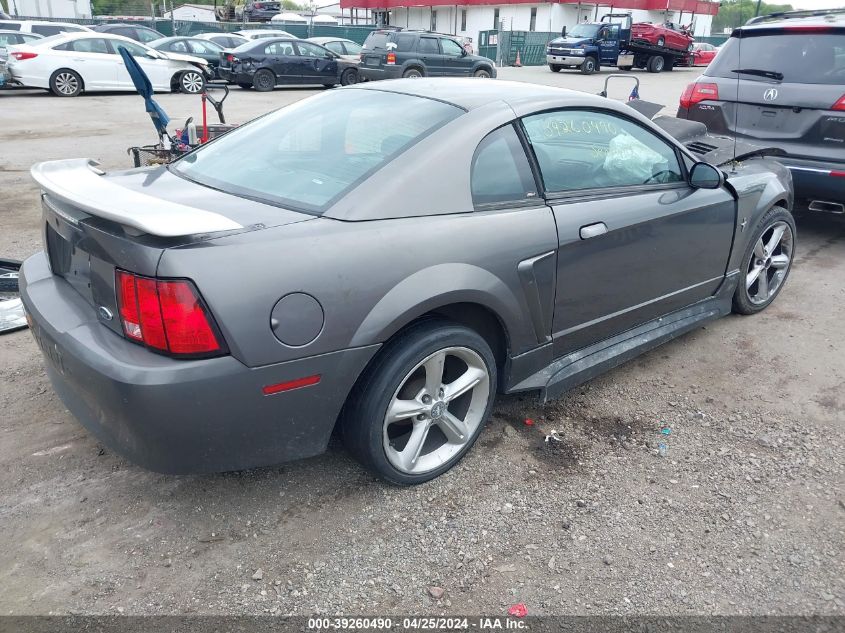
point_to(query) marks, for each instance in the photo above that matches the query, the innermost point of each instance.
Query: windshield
(307, 155)
(819, 59)
(583, 30)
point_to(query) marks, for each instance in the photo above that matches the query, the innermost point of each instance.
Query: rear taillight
(391, 58)
(839, 105)
(166, 315)
(20, 56)
(696, 92)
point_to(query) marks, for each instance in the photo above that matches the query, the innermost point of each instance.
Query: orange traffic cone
(518, 62)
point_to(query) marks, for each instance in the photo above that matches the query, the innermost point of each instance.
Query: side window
(125, 32)
(7, 39)
(404, 42)
(200, 47)
(428, 45)
(89, 45)
(134, 49)
(335, 47)
(11, 26)
(451, 47)
(352, 48)
(500, 170)
(178, 46)
(146, 36)
(579, 149)
(310, 50)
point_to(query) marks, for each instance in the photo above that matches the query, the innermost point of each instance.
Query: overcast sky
(812, 4)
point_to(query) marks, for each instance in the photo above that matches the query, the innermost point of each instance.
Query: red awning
(687, 6)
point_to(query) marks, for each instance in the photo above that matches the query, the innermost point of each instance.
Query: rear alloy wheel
(412, 73)
(589, 66)
(482, 73)
(767, 262)
(349, 77)
(423, 403)
(656, 64)
(65, 83)
(263, 80)
(192, 82)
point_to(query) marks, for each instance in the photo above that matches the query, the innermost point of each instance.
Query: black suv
(390, 54)
(780, 80)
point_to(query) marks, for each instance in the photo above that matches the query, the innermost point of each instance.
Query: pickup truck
(589, 46)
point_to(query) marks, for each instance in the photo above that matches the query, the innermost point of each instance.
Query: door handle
(591, 230)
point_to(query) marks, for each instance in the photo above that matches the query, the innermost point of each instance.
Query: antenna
(736, 101)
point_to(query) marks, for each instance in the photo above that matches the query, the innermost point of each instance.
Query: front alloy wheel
(191, 82)
(767, 262)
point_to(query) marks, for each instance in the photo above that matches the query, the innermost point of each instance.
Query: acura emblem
(770, 95)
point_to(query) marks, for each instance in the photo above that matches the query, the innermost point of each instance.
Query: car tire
(349, 77)
(555, 68)
(413, 73)
(191, 82)
(65, 83)
(768, 256)
(588, 67)
(482, 73)
(263, 80)
(655, 64)
(398, 374)
(661, 41)
(245, 86)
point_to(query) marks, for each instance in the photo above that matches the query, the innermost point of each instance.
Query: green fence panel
(530, 45)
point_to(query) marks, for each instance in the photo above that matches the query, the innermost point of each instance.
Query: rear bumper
(234, 77)
(816, 179)
(385, 72)
(180, 416)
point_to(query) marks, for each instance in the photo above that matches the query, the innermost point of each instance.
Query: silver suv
(780, 80)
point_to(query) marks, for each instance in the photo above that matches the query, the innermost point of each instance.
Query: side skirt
(578, 367)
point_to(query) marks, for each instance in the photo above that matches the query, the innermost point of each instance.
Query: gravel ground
(740, 511)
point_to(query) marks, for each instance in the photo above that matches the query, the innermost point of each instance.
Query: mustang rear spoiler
(716, 150)
(79, 182)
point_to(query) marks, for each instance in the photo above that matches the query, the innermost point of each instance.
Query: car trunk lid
(96, 223)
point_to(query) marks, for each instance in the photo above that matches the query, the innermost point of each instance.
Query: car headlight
(577, 51)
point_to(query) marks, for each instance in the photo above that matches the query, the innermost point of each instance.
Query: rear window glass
(10, 26)
(375, 40)
(307, 155)
(803, 58)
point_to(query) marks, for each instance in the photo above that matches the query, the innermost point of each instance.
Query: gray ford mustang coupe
(384, 259)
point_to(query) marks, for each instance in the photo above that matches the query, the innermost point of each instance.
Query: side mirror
(153, 55)
(464, 52)
(706, 176)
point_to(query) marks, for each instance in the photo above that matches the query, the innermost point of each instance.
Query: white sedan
(70, 63)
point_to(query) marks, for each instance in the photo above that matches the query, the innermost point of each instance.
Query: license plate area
(373, 61)
(67, 260)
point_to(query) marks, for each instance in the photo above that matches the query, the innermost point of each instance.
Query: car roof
(96, 34)
(787, 19)
(322, 40)
(471, 93)
(123, 24)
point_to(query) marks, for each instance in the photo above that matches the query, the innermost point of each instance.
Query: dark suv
(390, 54)
(780, 80)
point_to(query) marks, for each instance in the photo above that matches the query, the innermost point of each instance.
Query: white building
(474, 16)
(193, 13)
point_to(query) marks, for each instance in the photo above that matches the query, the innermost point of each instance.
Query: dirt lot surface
(741, 511)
